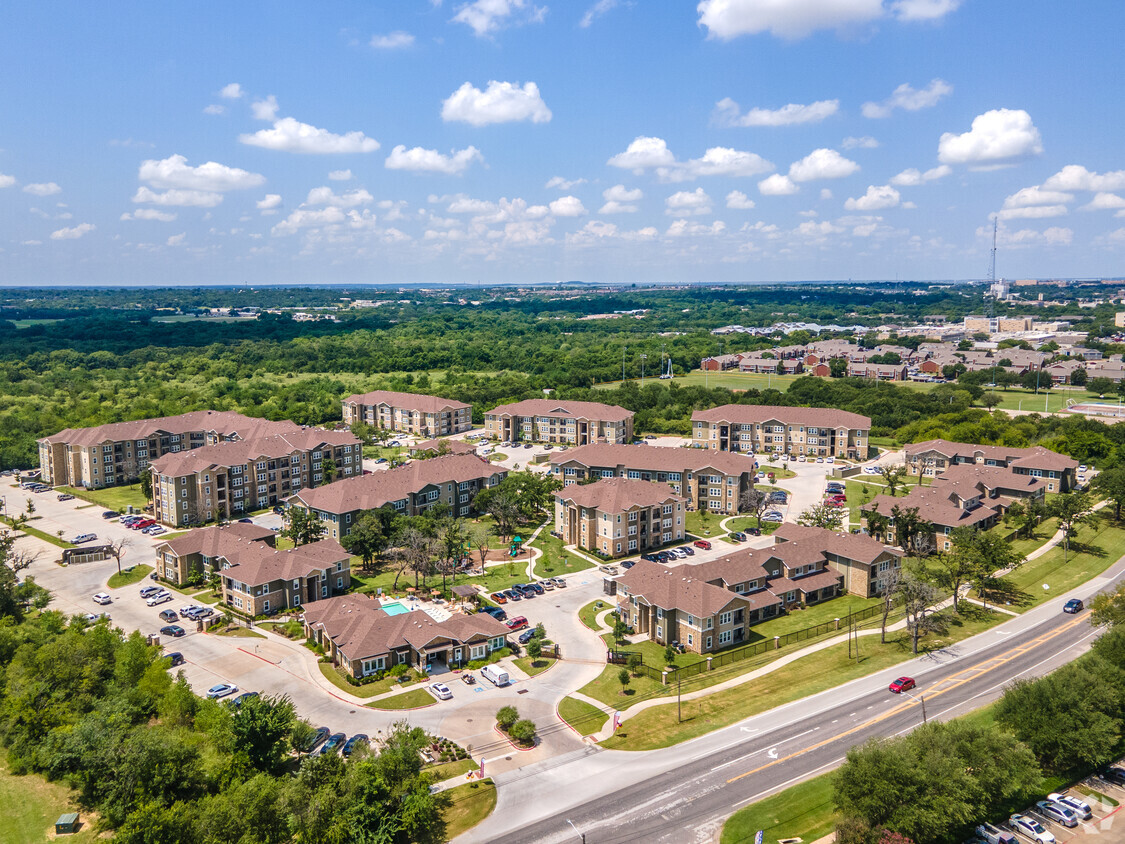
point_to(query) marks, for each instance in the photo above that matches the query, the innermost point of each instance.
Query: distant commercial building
(409, 413)
(559, 421)
(817, 431)
(619, 517)
(1119, 319)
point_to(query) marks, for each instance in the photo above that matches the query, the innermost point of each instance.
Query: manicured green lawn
(586, 719)
(805, 811)
(704, 523)
(412, 699)
(369, 690)
(1043, 532)
(29, 806)
(817, 614)
(128, 576)
(1101, 547)
(532, 667)
(111, 498)
(469, 805)
(39, 534)
(449, 770)
(551, 564)
(495, 579)
(825, 669)
(588, 613)
(241, 633)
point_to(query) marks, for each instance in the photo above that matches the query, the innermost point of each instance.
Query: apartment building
(863, 563)
(117, 453)
(453, 479)
(878, 371)
(228, 478)
(619, 517)
(715, 480)
(410, 413)
(259, 580)
(817, 431)
(556, 421)
(931, 458)
(199, 551)
(362, 639)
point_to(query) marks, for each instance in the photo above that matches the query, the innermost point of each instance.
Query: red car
(498, 598)
(902, 684)
(702, 543)
(143, 523)
(517, 623)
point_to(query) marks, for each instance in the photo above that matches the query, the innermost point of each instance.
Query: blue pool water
(395, 608)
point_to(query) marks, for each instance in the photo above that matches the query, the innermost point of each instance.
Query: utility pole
(679, 711)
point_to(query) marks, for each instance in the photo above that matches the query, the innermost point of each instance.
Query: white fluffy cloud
(563, 184)
(567, 206)
(340, 175)
(74, 232)
(500, 102)
(233, 91)
(432, 161)
(487, 16)
(269, 202)
(688, 202)
(149, 214)
(176, 239)
(175, 172)
(289, 135)
(877, 197)
(1077, 177)
(1104, 202)
(822, 164)
(1035, 195)
(645, 153)
(304, 218)
(215, 108)
(6, 181)
(726, 19)
(596, 11)
(392, 40)
(866, 142)
(923, 10)
(1053, 236)
(325, 196)
(642, 153)
(912, 177)
(176, 197)
(909, 98)
(683, 228)
(42, 189)
(739, 201)
(777, 185)
(727, 113)
(1032, 212)
(265, 109)
(619, 200)
(997, 137)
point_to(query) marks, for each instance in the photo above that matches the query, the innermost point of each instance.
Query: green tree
(838, 367)
(1078, 377)
(506, 716)
(917, 598)
(261, 727)
(975, 556)
(991, 400)
(1110, 483)
(366, 539)
(669, 655)
(822, 516)
(912, 532)
(1073, 511)
(892, 476)
(634, 663)
(624, 677)
(878, 524)
(1108, 608)
(1100, 385)
(302, 526)
(523, 731)
(620, 629)
(146, 485)
(535, 648)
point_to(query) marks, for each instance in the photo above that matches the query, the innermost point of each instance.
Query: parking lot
(1103, 824)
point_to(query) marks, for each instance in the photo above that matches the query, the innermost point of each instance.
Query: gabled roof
(654, 458)
(216, 540)
(817, 417)
(257, 564)
(559, 407)
(676, 589)
(1036, 457)
(223, 422)
(406, 401)
(851, 546)
(935, 505)
(370, 492)
(180, 463)
(988, 479)
(615, 495)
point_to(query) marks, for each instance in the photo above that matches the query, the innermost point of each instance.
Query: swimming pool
(395, 608)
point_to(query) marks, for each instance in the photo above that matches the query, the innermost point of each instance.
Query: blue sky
(537, 140)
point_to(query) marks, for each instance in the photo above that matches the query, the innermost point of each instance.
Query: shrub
(399, 670)
(506, 716)
(523, 731)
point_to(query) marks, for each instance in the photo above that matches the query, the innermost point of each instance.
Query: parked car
(1031, 828)
(221, 690)
(169, 616)
(549, 583)
(84, 537)
(526, 637)
(1080, 807)
(496, 613)
(661, 557)
(994, 835)
(686, 550)
(499, 597)
(1074, 605)
(517, 623)
(1114, 775)
(173, 630)
(738, 536)
(512, 595)
(441, 691)
(159, 598)
(143, 523)
(333, 744)
(149, 591)
(650, 557)
(202, 612)
(773, 517)
(110, 514)
(279, 509)
(358, 740)
(535, 587)
(702, 543)
(95, 617)
(1057, 812)
(65, 496)
(242, 698)
(467, 678)
(902, 684)
(560, 582)
(176, 657)
(102, 598)
(186, 612)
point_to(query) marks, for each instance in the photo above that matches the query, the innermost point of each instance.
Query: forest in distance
(90, 357)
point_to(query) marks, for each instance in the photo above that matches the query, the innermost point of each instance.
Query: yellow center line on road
(944, 686)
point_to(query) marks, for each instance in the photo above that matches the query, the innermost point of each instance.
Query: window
(659, 632)
(265, 606)
(690, 639)
(708, 643)
(725, 637)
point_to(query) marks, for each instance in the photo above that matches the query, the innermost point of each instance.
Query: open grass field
(532, 667)
(111, 498)
(332, 674)
(412, 699)
(29, 807)
(128, 576)
(555, 560)
(469, 805)
(583, 717)
(805, 811)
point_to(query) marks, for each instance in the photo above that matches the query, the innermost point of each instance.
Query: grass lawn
(532, 667)
(704, 523)
(780, 473)
(657, 726)
(128, 576)
(586, 719)
(550, 564)
(859, 493)
(1053, 401)
(111, 498)
(817, 614)
(607, 689)
(291, 629)
(39, 534)
(1044, 532)
(370, 690)
(241, 633)
(1097, 549)
(587, 614)
(449, 770)
(805, 811)
(29, 806)
(412, 699)
(469, 805)
(495, 578)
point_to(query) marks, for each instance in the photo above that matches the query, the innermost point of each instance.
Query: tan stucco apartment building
(412, 489)
(619, 517)
(259, 580)
(817, 431)
(117, 453)
(712, 479)
(201, 550)
(934, 457)
(556, 421)
(221, 480)
(410, 413)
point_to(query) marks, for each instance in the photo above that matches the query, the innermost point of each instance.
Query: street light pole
(581, 835)
(921, 699)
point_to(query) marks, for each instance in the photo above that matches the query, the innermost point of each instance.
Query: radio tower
(992, 272)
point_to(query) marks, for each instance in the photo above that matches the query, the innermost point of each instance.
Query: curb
(504, 736)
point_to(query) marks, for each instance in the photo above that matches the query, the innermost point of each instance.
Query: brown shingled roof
(216, 540)
(180, 463)
(613, 495)
(223, 422)
(257, 564)
(655, 458)
(407, 401)
(675, 588)
(817, 417)
(934, 505)
(1036, 457)
(858, 547)
(560, 407)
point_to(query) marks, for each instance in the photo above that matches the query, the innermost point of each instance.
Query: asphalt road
(684, 793)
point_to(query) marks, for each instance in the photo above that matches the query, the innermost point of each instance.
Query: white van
(496, 676)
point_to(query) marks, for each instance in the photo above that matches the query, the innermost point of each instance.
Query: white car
(221, 690)
(102, 598)
(1031, 828)
(185, 611)
(441, 691)
(95, 617)
(159, 598)
(1080, 807)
